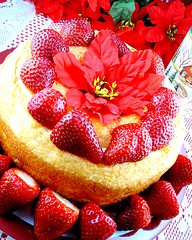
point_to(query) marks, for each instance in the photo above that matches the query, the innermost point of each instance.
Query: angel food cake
(88, 117)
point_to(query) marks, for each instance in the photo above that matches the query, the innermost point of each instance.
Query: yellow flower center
(172, 30)
(104, 89)
(126, 24)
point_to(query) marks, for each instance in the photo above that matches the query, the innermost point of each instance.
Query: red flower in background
(50, 8)
(159, 25)
(171, 23)
(104, 84)
(134, 32)
(57, 9)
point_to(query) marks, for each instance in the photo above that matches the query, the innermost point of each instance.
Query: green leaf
(122, 10)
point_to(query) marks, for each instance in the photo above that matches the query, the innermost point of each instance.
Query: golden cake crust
(75, 178)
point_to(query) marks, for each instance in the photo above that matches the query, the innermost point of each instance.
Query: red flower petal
(104, 48)
(156, 34)
(72, 9)
(176, 11)
(135, 37)
(69, 71)
(138, 13)
(50, 6)
(57, 15)
(105, 4)
(93, 68)
(131, 67)
(75, 98)
(94, 15)
(106, 111)
(104, 22)
(184, 26)
(94, 4)
(157, 16)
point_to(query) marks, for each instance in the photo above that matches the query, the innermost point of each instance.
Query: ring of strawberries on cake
(94, 122)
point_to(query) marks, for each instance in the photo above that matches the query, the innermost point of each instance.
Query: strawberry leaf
(122, 10)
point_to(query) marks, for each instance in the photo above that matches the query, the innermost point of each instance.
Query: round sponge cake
(76, 178)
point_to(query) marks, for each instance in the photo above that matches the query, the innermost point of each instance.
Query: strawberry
(54, 215)
(17, 189)
(47, 107)
(77, 31)
(129, 143)
(162, 200)
(122, 48)
(38, 73)
(5, 162)
(157, 65)
(180, 174)
(166, 101)
(160, 127)
(135, 214)
(46, 43)
(95, 223)
(75, 134)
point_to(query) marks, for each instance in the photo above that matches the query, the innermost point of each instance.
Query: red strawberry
(47, 107)
(129, 143)
(180, 174)
(46, 43)
(122, 48)
(38, 73)
(5, 162)
(157, 65)
(162, 200)
(17, 189)
(75, 134)
(160, 127)
(166, 101)
(77, 32)
(135, 214)
(54, 215)
(95, 223)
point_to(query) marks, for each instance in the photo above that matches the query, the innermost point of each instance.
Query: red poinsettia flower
(171, 25)
(104, 84)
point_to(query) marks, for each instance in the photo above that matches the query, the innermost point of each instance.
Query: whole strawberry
(135, 214)
(77, 32)
(38, 73)
(47, 107)
(95, 223)
(165, 101)
(46, 43)
(162, 200)
(54, 215)
(17, 189)
(5, 162)
(180, 174)
(75, 133)
(129, 143)
(160, 127)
